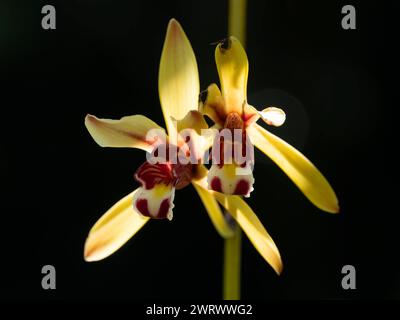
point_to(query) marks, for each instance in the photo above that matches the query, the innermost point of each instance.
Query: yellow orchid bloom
(179, 92)
(229, 109)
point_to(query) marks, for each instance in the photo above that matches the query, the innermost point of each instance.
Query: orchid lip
(156, 203)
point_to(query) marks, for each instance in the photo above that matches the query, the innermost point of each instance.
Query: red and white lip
(157, 202)
(231, 179)
(156, 195)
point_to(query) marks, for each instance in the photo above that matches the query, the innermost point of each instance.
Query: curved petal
(127, 132)
(212, 104)
(113, 229)
(302, 172)
(214, 211)
(253, 228)
(272, 116)
(233, 68)
(178, 80)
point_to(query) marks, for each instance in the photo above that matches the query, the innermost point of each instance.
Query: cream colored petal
(253, 228)
(272, 116)
(233, 68)
(127, 132)
(113, 229)
(302, 172)
(178, 81)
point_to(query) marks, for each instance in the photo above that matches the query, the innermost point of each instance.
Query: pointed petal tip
(89, 117)
(279, 269)
(277, 264)
(88, 255)
(174, 27)
(173, 22)
(91, 251)
(335, 209)
(91, 120)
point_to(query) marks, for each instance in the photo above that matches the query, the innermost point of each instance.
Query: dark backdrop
(338, 90)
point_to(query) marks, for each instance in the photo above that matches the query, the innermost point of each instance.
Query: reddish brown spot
(141, 205)
(242, 188)
(216, 184)
(164, 208)
(233, 121)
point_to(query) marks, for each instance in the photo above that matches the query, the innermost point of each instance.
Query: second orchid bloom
(177, 156)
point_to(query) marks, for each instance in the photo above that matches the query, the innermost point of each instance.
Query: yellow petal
(178, 80)
(192, 120)
(212, 104)
(233, 69)
(192, 134)
(213, 210)
(128, 132)
(113, 229)
(302, 172)
(253, 228)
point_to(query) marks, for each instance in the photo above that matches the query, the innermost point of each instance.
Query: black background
(337, 86)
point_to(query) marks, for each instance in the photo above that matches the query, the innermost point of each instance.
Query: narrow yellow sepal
(127, 132)
(298, 168)
(178, 79)
(253, 228)
(214, 211)
(247, 220)
(113, 229)
(233, 69)
(210, 203)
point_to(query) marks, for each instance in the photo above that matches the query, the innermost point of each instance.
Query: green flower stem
(237, 20)
(232, 265)
(233, 245)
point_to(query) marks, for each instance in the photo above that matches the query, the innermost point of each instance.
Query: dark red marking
(148, 175)
(164, 208)
(141, 205)
(216, 184)
(242, 188)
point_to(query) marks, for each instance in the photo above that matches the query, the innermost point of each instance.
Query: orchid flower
(229, 109)
(179, 92)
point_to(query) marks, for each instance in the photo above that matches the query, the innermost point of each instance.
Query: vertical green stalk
(237, 20)
(232, 265)
(233, 245)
